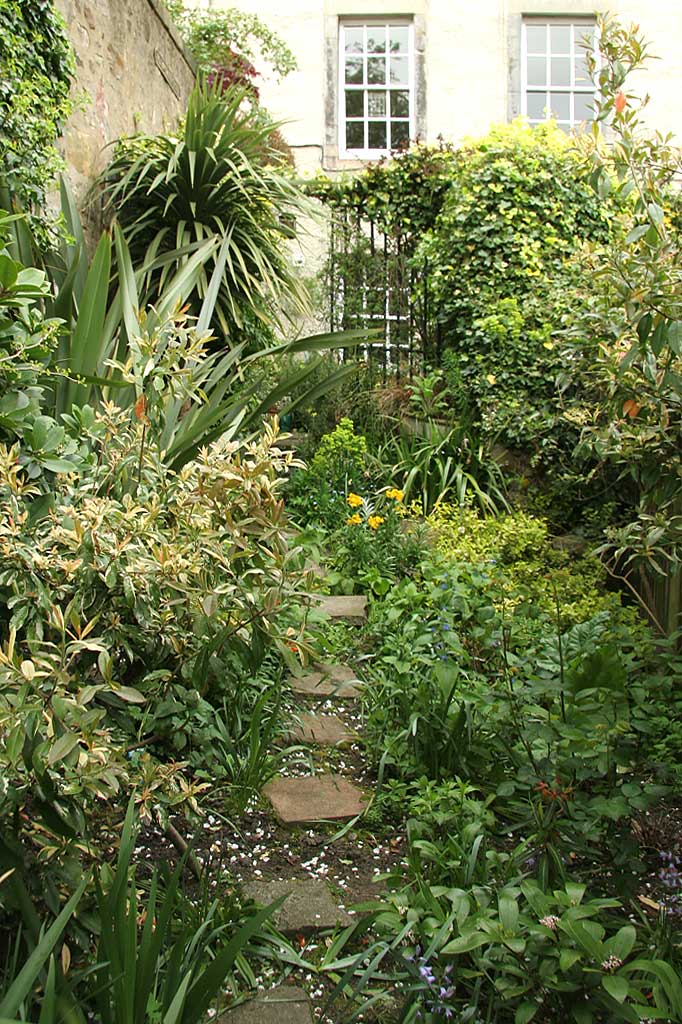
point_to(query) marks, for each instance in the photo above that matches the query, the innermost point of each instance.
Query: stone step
(328, 797)
(323, 730)
(352, 608)
(282, 1005)
(337, 681)
(309, 906)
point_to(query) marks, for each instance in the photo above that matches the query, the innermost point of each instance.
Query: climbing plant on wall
(37, 68)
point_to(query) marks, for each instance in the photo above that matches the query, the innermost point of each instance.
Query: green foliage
(214, 37)
(37, 68)
(317, 495)
(444, 465)
(520, 954)
(403, 196)
(216, 182)
(637, 311)
(500, 271)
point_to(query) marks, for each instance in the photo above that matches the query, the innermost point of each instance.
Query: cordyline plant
(639, 315)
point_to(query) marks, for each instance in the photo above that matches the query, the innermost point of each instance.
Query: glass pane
(561, 71)
(399, 71)
(398, 38)
(376, 104)
(376, 39)
(581, 75)
(354, 103)
(584, 36)
(400, 104)
(537, 71)
(584, 110)
(560, 38)
(537, 101)
(400, 134)
(354, 70)
(376, 70)
(355, 135)
(377, 135)
(536, 38)
(353, 38)
(560, 105)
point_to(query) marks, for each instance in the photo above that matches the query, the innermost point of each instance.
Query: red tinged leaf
(140, 408)
(621, 102)
(630, 408)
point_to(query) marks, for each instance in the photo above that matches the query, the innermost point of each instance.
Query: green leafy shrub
(503, 275)
(38, 66)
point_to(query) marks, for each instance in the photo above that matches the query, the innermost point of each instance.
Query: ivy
(37, 69)
(403, 196)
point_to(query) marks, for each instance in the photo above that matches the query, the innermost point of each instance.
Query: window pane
(560, 105)
(537, 101)
(560, 38)
(400, 104)
(537, 71)
(376, 104)
(584, 37)
(377, 135)
(376, 70)
(400, 133)
(581, 74)
(353, 38)
(376, 39)
(561, 71)
(399, 71)
(355, 135)
(584, 106)
(354, 70)
(398, 38)
(354, 105)
(536, 38)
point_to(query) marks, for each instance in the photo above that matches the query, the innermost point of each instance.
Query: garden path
(311, 906)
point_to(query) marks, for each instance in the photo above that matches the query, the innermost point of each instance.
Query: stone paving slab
(328, 797)
(337, 681)
(308, 908)
(282, 1005)
(324, 730)
(352, 608)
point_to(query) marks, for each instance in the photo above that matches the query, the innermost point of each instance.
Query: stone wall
(133, 74)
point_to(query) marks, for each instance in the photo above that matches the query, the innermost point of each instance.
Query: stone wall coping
(161, 12)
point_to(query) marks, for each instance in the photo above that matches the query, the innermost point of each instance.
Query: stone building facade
(372, 71)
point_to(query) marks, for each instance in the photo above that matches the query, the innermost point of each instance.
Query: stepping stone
(282, 1005)
(324, 730)
(308, 908)
(327, 681)
(352, 608)
(328, 797)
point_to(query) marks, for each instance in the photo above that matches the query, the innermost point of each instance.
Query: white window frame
(350, 153)
(572, 90)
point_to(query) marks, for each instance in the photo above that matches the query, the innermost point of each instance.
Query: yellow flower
(374, 522)
(354, 520)
(395, 494)
(354, 500)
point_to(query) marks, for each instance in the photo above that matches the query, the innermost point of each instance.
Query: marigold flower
(395, 494)
(374, 522)
(354, 520)
(354, 500)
